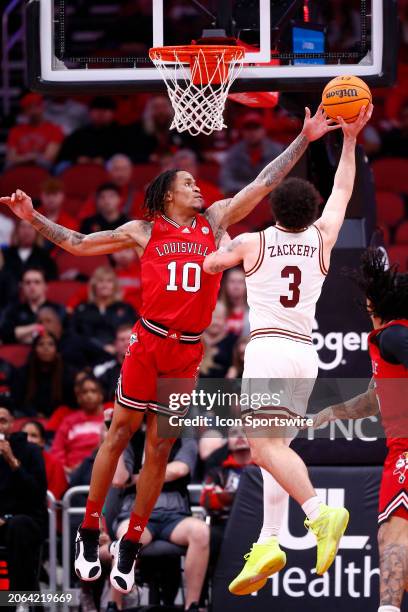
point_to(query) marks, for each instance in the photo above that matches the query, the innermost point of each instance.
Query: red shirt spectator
(79, 434)
(52, 204)
(35, 140)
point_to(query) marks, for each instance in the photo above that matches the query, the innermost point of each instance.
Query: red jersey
(391, 386)
(176, 292)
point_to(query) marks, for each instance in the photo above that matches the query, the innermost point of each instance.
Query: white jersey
(285, 283)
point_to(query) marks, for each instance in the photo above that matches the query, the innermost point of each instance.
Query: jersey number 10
(191, 272)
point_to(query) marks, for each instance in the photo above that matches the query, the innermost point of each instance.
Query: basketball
(344, 96)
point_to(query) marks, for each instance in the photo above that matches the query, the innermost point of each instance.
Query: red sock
(136, 527)
(92, 514)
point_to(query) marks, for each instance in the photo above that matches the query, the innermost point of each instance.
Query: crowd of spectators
(75, 334)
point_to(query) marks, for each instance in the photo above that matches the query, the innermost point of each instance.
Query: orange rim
(186, 53)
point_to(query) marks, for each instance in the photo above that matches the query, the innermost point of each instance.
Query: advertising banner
(352, 582)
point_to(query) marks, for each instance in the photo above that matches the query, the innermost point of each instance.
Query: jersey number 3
(190, 280)
(295, 275)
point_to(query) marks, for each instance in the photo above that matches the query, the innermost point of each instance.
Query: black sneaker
(124, 553)
(194, 607)
(111, 607)
(87, 564)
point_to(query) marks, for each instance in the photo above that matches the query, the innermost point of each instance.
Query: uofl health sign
(351, 584)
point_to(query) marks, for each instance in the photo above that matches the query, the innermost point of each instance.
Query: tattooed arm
(134, 234)
(363, 405)
(226, 212)
(242, 249)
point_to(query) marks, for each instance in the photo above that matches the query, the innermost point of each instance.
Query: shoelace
(126, 555)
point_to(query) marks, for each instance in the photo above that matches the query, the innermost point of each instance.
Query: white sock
(388, 609)
(275, 501)
(311, 508)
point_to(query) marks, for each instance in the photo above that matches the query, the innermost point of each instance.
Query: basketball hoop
(198, 79)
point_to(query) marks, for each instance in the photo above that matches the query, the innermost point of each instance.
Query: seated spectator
(249, 155)
(25, 252)
(56, 480)
(19, 319)
(7, 227)
(34, 140)
(79, 433)
(23, 507)
(236, 369)
(97, 141)
(108, 372)
(44, 383)
(171, 517)
(185, 159)
(76, 351)
(99, 318)
(395, 141)
(52, 205)
(7, 383)
(63, 411)
(221, 484)
(126, 264)
(120, 169)
(108, 211)
(233, 296)
(218, 345)
(154, 139)
(8, 286)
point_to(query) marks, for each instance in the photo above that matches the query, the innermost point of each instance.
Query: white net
(198, 92)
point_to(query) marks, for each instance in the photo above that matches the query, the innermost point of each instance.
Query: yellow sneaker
(328, 529)
(262, 561)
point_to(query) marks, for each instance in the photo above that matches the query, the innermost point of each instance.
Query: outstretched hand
(317, 126)
(351, 130)
(20, 203)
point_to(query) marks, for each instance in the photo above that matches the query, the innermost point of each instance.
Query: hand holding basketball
(351, 130)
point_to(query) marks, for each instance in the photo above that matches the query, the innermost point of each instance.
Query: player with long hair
(386, 292)
(178, 299)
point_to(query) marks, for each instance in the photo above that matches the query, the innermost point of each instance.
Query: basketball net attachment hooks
(198, 79)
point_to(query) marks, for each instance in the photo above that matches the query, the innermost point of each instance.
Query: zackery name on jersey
(304, 250)
(193, 248)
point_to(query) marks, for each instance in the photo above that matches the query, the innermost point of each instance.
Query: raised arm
(334, 212)
(132, 234)
(226, 212)
(363, 405)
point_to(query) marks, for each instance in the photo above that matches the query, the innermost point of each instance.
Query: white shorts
(282, 369)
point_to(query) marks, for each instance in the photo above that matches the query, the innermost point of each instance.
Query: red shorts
(394, 482)
(155, 370)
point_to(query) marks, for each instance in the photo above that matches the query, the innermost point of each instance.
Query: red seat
(209, 171)
(401, 236)
(72, 206)
(144, 173)
(399, 254)
(391, 174)
(70, 267)
(83, 179)
(28, 178)
(16, 354)
(390, 208)
(62, 291)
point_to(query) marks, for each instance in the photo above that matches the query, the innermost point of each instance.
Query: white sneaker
(87, 564)
(124, 553)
